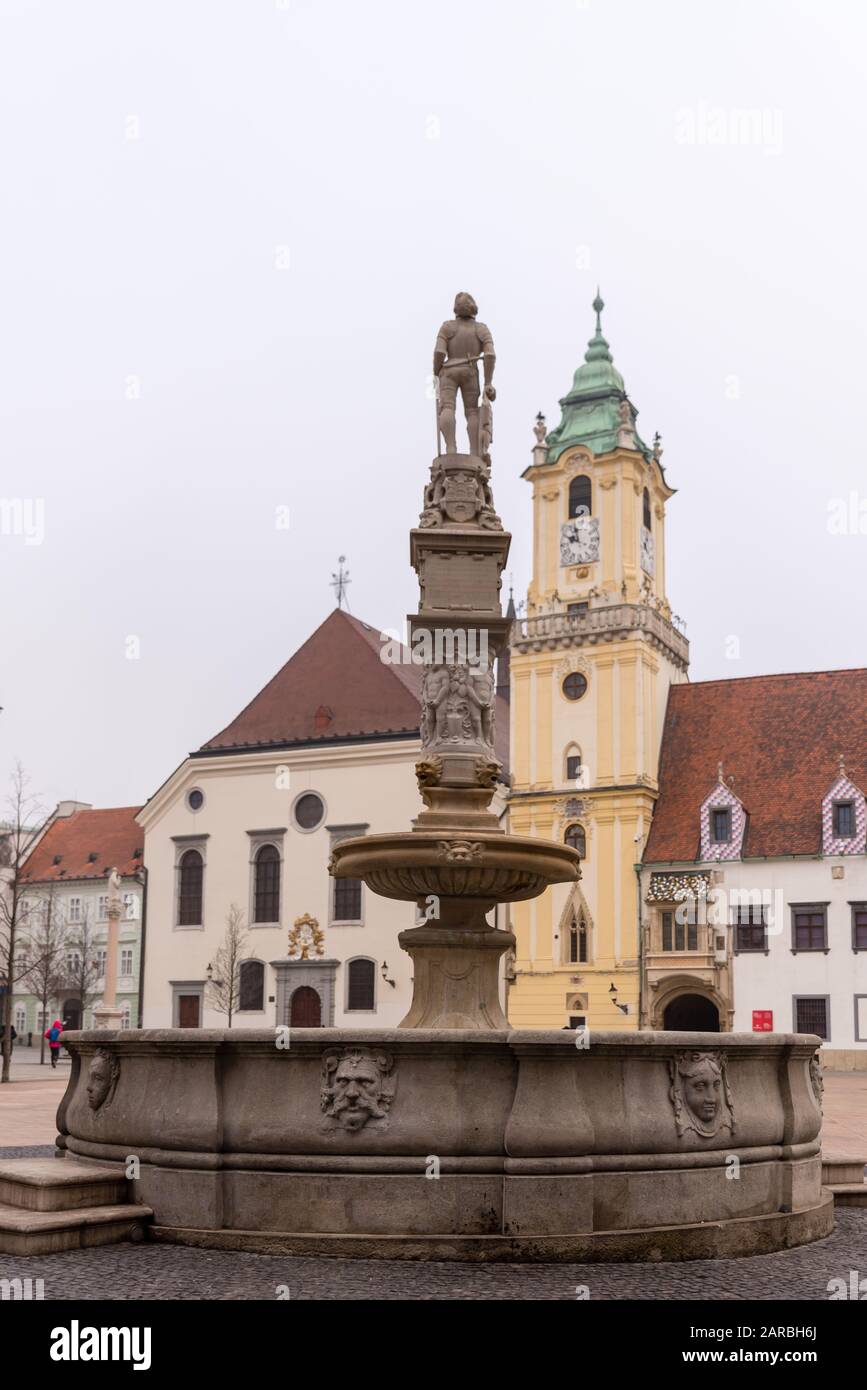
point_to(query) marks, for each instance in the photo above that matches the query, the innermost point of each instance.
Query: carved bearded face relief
(357, 1088)
(700, 1093)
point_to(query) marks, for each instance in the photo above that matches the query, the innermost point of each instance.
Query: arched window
(576, 837)
(580, 496)
(577, 940)
(251, 986)
(646, 509)
(361, 990)
(191, 870)
(574, 768)
(267, 890)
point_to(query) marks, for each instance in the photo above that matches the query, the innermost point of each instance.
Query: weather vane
(340, 582)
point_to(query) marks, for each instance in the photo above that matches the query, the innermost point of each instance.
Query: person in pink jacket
(53, 1035)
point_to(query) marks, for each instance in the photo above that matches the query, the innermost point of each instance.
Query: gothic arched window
(576, 838)
(646, 506)
(191, 872)
(577, 941)
(267, 885)
(580, 496)
(251, 991)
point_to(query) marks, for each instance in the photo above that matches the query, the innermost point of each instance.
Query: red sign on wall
(763, 1020)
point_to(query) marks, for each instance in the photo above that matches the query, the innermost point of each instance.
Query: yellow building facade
(592, 660)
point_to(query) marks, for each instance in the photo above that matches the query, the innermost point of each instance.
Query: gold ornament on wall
(306, 939)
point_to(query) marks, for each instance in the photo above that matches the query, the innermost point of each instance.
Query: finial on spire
(340, 582)
(598, 305)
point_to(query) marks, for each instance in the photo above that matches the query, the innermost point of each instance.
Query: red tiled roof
(111, 834)
(336, 687)
(778, 737)
(336, 672)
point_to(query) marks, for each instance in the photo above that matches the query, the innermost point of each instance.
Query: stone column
(107, 1014)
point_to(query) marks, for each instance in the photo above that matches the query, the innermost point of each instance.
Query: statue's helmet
(465, 306)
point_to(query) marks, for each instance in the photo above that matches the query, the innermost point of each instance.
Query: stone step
(60, 1184)
(836, 1171)
(27, 1232)
(849, 1194)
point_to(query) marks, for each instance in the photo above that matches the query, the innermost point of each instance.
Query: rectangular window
(129, 907)
(667, 926)
(692, 936)
(809, 929)
(750, 926)
(126, 961)
(102, 908)
(844, 820)
(859, 926)
(573, 767)
(811, 1015)
(75, 909)
(73, 962)
(347, 900)
(101, 956)
(721, 824)
(577, 608)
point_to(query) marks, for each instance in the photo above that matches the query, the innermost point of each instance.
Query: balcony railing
(599, 625)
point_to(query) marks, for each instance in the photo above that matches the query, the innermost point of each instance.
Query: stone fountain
(455, 1137)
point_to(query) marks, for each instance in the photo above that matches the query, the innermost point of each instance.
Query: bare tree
(43, 937)
(224, 989)
(24, 825)
(81, 969)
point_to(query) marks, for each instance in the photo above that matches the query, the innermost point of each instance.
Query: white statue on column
(107, 1014)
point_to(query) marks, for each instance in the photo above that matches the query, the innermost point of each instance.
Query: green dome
(591, 410)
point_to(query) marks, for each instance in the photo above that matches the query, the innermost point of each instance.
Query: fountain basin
(490, 867)
(466, 1145)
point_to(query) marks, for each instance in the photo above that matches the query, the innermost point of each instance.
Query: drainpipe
(143, 879)
(637, 868)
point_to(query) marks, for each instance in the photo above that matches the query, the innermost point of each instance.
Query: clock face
(647, 560)
(579, 541)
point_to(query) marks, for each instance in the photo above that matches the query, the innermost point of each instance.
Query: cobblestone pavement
(172, 1272)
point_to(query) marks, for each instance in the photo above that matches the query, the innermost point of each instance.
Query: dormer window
(580, 496)
(721, 824)
(844, 820)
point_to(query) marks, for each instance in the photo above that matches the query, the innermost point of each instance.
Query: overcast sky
(228, 234)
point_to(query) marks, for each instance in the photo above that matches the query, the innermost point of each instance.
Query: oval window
(574, 685)
(309, 811)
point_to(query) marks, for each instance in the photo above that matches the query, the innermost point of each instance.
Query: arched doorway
(70, 1015)
(691, 1013)
(306, 1011)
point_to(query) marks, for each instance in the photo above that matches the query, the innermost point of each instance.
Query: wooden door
(306, 1008)
(188, 1010)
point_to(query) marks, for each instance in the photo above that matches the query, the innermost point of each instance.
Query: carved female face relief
(700, 1093)
(102, 1077)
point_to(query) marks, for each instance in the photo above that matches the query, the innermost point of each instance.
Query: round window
(195, 799)
(309, 811)
(574, 685)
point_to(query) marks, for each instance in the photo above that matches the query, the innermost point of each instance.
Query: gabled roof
(334, 687)
(779, 738)
(111, 834)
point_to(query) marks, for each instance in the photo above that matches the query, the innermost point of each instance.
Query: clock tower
(592, 659)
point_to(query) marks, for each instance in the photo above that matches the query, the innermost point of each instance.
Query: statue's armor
(462, 340)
